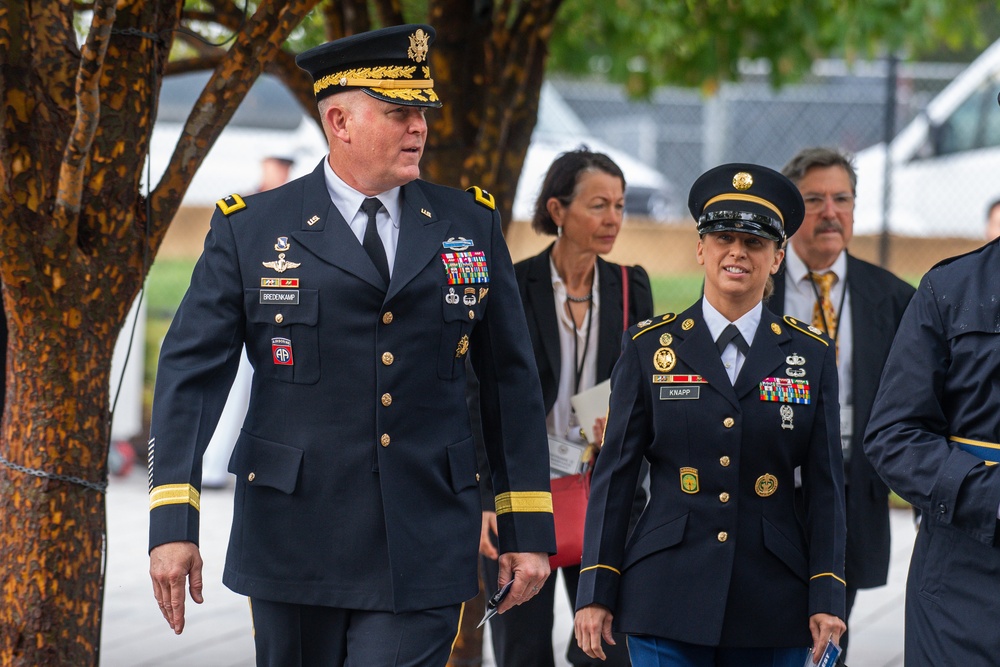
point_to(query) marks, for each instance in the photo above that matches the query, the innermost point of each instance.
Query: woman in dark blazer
(724, 401)
(573, 302)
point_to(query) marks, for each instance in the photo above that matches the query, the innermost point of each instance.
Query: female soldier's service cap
(746, 198)
(391, 64)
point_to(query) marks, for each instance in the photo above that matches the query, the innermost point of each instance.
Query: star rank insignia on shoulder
(231, 204)
(483, 197)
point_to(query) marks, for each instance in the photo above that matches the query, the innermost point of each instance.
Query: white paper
(590, 404)
(565, 457)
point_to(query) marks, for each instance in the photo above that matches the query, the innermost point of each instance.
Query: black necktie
(372, 243)
(731, 333)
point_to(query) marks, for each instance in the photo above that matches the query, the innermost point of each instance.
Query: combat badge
(795, 372)
(766, 485)
(281, 351)
(786, 417)
(281, 265)
(469, 299)
(664, 359)
(463, 347)
(794, 359)
(457, 245)
(451, 298)
(689, 480)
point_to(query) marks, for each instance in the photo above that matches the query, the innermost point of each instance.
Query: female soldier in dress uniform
(725, 401)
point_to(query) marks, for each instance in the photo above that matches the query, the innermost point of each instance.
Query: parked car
(944, 165)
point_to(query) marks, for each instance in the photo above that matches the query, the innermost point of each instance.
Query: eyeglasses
(842, 202)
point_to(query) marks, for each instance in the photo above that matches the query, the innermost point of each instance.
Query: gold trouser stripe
(748, 198)
(253, 628)
(175, 494)
(594, 567)
(524, 501)
(461, 613)
(827, 574)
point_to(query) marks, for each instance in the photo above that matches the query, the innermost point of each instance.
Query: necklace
(580, 299)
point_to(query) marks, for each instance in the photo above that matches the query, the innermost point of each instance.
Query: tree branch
(390, 12)
(258, 42)
(69, 193)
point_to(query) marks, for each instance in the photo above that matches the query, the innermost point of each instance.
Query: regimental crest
(282, 244)
(418, 46)
(766, 485)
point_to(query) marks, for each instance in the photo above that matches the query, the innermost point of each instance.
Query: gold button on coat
(387, 358)
(387, 399)
(472, 314)
(387, 318)
(728, 422)
(724, 461)
(724, 497)
(477, 476)
(279, 318)
(385, 440)
(251, 477)
(723, 536)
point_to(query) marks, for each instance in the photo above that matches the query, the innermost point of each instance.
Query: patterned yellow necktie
(824, 316)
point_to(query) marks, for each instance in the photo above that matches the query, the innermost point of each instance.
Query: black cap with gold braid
(747, 198)
(391, 64)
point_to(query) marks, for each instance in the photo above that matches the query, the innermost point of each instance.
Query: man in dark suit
(358, 291)
(859, 306)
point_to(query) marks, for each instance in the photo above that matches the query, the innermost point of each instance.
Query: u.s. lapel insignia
(689, 480)
(281, 264)
(463, 347)
(786, 417)
(687, 324)
(313, 220)
(282, 244)
(766, 485)
(425, 212)
(664, 359)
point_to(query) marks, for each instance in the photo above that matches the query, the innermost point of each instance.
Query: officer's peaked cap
(746, 198)
(391, 64)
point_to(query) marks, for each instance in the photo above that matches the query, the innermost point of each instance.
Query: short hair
(993, 205)
(561, 181)
(811, 158)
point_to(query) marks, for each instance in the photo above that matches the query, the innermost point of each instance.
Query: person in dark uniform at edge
(934, 437)
(573, 301)
(724, 400)
(859, 306)
(358, 291)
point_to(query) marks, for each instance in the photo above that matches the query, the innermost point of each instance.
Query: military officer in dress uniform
(934, 437)
(724, 400)
(358, 291)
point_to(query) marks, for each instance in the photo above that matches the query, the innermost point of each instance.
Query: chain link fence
(941, 120)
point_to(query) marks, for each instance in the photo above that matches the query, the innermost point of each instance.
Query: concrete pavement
(217, 633)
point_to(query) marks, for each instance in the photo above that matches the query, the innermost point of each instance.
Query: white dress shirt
(348, 201)
(732, 358)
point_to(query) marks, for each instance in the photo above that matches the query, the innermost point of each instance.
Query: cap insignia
(418, 46)
(742, 180)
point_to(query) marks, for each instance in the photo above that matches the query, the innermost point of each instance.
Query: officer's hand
(486, 536)
(528, 570)
(822, 627)
(600, 423)
(592, 624)
(170, 565)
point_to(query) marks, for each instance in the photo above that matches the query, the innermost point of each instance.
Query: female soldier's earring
(558, 231)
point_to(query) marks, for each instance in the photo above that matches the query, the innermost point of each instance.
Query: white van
(945, 165)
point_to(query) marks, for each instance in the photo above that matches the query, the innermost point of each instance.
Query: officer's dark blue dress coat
(935, 425)
(718, 557)
(356, 469)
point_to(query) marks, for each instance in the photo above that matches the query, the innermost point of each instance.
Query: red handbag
(571, 493)
(569, 511)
